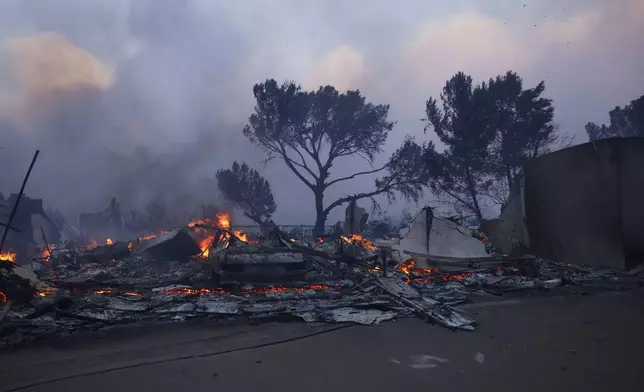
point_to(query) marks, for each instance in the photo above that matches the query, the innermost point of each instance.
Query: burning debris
(8, 256)
(208, 269)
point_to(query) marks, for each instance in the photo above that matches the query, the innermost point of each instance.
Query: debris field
(208, 270)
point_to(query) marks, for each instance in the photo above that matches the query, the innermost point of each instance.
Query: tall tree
(523, 124)
(310, 131)
(464, 126)
(248, 191)
(625, 122)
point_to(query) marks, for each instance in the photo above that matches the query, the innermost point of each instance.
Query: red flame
(3, 297)
(147, 237)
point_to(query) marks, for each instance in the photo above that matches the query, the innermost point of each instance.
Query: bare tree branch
(353, 176)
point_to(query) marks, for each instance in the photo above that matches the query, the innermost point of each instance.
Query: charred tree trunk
(320, 214)
(510, 177)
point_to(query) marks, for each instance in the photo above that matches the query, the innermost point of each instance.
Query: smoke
(143, 99)
(125, 99)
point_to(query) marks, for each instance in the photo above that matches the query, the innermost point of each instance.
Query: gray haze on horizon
(183, 73)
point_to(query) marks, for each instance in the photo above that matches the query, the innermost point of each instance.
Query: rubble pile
(207, 270)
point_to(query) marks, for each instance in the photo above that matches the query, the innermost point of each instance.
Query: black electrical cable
(210, 354)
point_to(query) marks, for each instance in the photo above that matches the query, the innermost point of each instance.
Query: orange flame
(205, 221)
(94, 244)
(104, 291)
(3, 297)
(223, 222)
(223, 219)
(8, 256)
(409, 266)
(147, 237)
(406, 267)
(91, 246)
(47, 252)
(204, 245)
(132, 293)
(45, 292)
(130, 245)
(241, 235)
(357, 239)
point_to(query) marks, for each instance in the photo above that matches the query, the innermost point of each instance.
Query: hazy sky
(176, 77)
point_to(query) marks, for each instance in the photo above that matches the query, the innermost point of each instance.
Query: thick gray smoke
(124, 98)
(142, 99)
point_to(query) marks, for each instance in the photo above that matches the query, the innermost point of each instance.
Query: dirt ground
(589, 343)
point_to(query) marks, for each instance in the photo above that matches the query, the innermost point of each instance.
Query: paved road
(581, 343)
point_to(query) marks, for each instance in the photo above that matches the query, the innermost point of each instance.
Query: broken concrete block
(176, 244)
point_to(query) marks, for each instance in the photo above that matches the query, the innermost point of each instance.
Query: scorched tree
(248, 191)
(310, 130)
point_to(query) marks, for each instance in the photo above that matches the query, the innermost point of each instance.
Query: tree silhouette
(248, 191)
(490, 131)
(625, 122)
(522, 120)
(310, 131)
(464, 125)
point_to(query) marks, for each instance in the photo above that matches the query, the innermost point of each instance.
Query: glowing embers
(429, 275)
(357, 239)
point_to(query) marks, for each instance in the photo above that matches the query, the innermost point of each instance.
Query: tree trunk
(508, 174)
(475, 202)
(320, 214)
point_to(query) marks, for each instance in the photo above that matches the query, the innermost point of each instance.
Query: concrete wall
(631, 195)
(585, 204)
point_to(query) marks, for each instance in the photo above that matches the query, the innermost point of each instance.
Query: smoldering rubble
(208, 270)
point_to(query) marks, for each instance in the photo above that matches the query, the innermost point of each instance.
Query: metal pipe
(15, 206)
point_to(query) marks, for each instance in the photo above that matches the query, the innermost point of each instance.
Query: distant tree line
(487, 131)
(624, 122)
